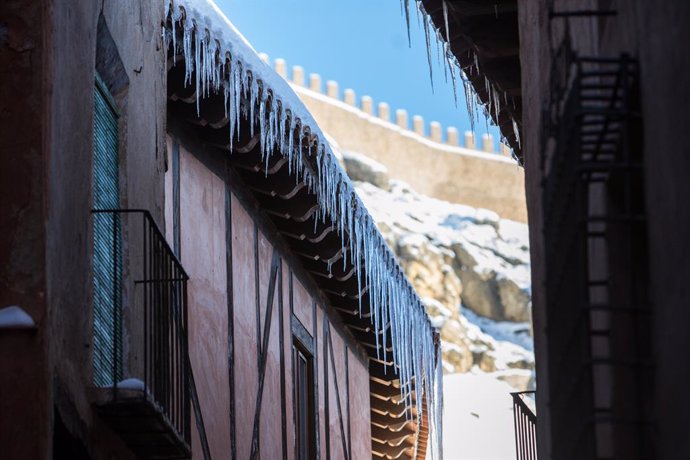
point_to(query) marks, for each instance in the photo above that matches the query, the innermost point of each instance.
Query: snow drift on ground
(477, 418)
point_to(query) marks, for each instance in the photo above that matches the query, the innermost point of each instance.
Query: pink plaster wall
(246, 374)
(337, 389)
(302, 304)
(203, 250)
(360, 418)
(321, 379)
(202, 224)
(168, 185)
(271, 424)
(287, 344)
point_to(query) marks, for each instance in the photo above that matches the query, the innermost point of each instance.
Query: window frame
(302, 351)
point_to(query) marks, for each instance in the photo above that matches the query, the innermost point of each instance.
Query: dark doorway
(66, 446)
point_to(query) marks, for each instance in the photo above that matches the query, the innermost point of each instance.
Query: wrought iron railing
(154, 284)
(525, 427)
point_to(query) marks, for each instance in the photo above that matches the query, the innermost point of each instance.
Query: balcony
(141, 364)
(525, 427)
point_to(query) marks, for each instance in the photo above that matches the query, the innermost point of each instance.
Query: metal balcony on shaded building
(525, 427)
(141, 364)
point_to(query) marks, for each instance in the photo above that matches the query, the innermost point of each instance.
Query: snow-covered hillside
(472, 270)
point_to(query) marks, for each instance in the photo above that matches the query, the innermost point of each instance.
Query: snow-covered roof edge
(226, 63)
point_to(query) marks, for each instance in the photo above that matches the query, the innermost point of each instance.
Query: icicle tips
(492, 106)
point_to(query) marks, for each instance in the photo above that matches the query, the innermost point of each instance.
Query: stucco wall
(534, 56)
(653, 34)
(141, 104)
(204, 217)
(202, 222)
(446, 171)
(665, 75)
(24, 376)
(46, 141)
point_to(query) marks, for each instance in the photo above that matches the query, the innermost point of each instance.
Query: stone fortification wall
(439, 168)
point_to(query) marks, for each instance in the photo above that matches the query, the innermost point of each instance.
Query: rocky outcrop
(494, 297)
(429, 267)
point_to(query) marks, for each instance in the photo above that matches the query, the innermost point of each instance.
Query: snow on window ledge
(133, 384)
(15, 318)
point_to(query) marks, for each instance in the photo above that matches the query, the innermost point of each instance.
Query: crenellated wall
(474, 173)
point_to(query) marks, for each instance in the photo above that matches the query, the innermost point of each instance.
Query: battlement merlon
(366, 105)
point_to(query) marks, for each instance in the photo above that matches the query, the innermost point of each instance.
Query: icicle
(516, 131)
(407, 21)
(173, 20)
(445, 66)
(253, 95)
(237, 85)
(428, 48)
(453, 78)
(197, 67)
(281, 120)
(187, 52)
(469, 92)
(268, 138)
(262, 122)
(300, 135)
(497, 104)
(445, 20)
(291, 140)
(487, 88)
(229, 100)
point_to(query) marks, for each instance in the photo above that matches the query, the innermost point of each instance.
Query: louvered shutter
(107, 259)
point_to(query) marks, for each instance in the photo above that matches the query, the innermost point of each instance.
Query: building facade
(597, 96)
(187, 272)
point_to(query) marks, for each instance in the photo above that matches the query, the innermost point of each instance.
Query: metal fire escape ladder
(595, 238)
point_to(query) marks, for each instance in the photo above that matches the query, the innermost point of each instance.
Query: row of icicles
(495, 98)
(392, 300)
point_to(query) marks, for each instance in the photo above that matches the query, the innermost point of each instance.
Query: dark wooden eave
(489, 29)
(291, 208)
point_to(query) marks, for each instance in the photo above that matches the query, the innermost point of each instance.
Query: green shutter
(107, 258)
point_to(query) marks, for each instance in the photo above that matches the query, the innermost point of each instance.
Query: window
(107, 259)
(305, 429)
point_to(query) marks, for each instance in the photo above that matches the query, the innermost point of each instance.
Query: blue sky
(361, 44)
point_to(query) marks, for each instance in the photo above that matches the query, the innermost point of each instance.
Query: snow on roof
(218, 59)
